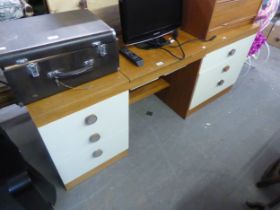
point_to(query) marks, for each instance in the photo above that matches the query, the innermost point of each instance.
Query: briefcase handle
(58, 74)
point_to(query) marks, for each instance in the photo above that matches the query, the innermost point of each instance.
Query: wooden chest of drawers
(82, 141)
(207, 18)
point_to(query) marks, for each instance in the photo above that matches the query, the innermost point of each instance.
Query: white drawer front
(70, 136)
(207, 85)
(237, 50)
(73, 167)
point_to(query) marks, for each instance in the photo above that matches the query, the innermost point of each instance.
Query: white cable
(268, 52)
(249, 63)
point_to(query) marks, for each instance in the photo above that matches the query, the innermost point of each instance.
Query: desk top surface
(65, 103)
(159, 62)
(130, 76)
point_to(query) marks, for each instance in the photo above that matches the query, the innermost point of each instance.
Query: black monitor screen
(145, 19)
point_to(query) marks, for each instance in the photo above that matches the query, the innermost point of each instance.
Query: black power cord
(159, 43)
(172, 54)
(183, 43)
(193, 40)
(180, 45)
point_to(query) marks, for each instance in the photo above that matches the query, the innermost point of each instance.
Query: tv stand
(153, 44)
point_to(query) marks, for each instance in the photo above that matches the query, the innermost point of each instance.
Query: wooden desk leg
(182, 83)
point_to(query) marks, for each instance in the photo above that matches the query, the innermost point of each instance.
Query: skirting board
(94, 171)
(210, 100)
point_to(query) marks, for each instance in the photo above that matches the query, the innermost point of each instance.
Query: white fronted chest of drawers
(219, 70)
(82, 141)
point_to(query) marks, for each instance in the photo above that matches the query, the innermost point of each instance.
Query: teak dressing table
(77, 125)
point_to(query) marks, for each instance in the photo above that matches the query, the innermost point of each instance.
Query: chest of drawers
(82, 141)
(219, 70)
(207, 18)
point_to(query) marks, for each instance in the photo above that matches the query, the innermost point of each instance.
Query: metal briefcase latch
(101, 49)
(33, 69)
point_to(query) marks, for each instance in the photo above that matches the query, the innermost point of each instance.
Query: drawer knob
(232, 52)
(91, 119)
(221, 82)
(277, 39)
(226, 69)
(94, 138)
(97, 153)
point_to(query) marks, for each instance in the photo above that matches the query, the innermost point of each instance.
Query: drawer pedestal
(203, 81)
(83, 143)
(219, 71)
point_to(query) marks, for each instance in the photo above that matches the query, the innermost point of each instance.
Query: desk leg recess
(182, 84)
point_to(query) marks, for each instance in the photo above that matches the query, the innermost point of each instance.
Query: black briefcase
(43, 55)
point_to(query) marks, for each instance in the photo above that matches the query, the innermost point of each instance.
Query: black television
(145, 20)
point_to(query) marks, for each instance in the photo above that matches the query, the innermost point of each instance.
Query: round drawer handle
(277, 39)
(232, 52)
(97, 153)
(226, 69)
(221, 82)
(94, 138)
(91, 119)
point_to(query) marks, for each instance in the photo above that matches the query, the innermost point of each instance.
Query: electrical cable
(268, 52)
(250, 65)
(183, 43)
(172, 54)
(193, 40)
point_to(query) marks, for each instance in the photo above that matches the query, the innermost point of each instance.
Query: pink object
(258, 43)
(264, 17)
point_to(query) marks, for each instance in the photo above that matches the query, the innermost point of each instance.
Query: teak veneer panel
(232, 11)
(195, 50)
(207, 18)
(64, 103)
(197, 15)
(232, 14)
(182, 84)
(147, 90)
